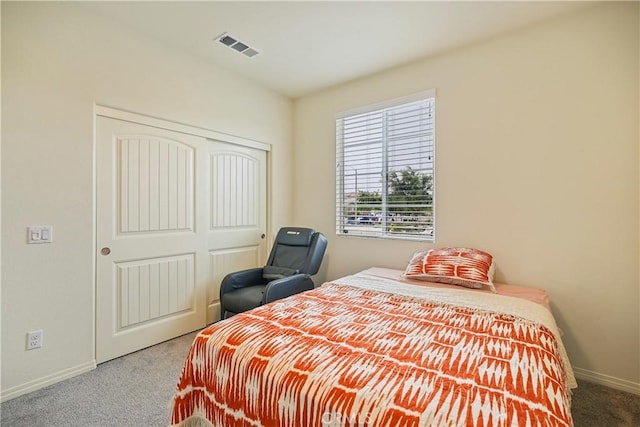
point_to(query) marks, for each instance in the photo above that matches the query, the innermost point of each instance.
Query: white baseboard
(39, 383)
(607, 380)
(13, 392)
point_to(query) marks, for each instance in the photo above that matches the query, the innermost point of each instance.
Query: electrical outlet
(34, 339)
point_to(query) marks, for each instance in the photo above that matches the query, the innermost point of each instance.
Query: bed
(380, 349)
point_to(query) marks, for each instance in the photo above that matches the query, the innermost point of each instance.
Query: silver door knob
(105, 251)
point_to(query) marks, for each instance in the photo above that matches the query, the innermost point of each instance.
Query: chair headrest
(294, 236)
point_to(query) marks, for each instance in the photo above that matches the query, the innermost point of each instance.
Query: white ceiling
(307, 46)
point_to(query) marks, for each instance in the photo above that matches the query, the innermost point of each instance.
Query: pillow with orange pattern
(467, 267)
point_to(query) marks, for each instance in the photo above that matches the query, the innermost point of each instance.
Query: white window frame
(384, 220)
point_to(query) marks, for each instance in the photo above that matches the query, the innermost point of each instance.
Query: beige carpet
(136, 390)
(595, 405)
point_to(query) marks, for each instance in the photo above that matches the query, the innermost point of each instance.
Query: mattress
(374, 350)
(536, 295)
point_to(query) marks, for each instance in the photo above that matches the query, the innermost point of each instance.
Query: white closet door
(237, 215)
(157, 249)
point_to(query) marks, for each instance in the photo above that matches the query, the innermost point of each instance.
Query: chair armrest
(241, 279)
(287, 286)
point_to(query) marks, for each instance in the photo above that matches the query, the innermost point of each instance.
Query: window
(385, 169)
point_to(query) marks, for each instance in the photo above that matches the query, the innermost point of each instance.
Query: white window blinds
(385, 170)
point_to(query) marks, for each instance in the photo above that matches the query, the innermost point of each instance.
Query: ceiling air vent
(237, 45)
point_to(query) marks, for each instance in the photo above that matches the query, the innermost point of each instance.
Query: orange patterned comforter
(341, 355)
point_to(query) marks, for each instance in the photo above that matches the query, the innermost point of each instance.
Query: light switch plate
(39, 234)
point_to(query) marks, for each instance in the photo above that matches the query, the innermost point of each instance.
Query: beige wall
(56, 62)
(537, 162)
